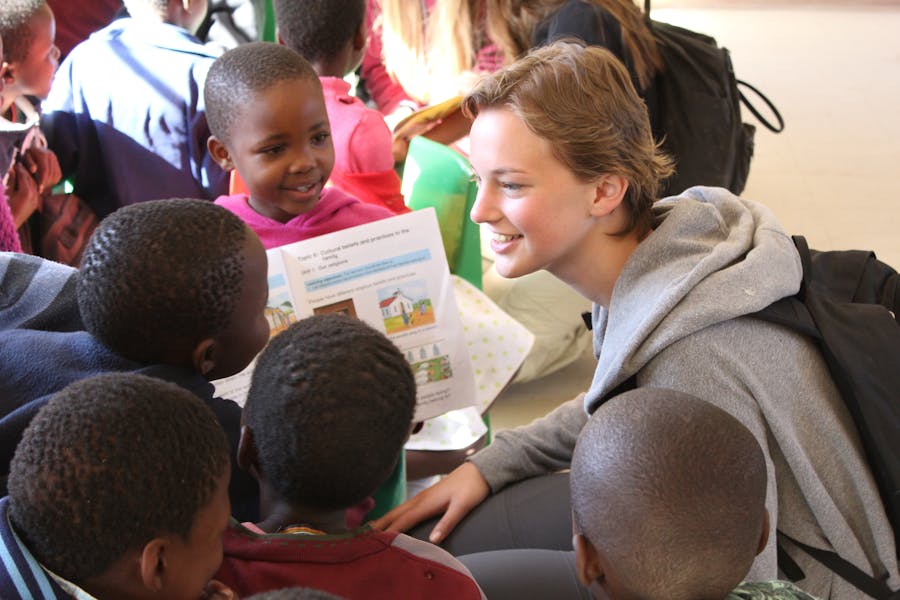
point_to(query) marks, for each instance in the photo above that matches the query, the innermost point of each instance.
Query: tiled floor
(833, 71)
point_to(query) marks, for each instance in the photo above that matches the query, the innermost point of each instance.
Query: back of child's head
(582, 101)
(157, 277)
(14, 18)
(330, 407)
(245, 71)
(670, 490)
(110, 463)
(318, 29)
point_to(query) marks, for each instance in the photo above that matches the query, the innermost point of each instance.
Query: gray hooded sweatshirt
(677, 319)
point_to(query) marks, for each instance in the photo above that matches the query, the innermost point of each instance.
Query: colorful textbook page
(393, 275)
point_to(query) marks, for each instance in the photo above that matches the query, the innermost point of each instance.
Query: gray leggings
(518, 542)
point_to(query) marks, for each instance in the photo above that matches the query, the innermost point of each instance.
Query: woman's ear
(219, 153)
(610, 192)
(360, 38)
(202, 356)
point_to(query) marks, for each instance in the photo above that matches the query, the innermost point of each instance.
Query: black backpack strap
(845, 569)
(769, 104)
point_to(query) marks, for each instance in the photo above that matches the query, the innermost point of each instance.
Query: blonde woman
(425, 51)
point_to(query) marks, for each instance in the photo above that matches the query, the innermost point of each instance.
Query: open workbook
(393, 275)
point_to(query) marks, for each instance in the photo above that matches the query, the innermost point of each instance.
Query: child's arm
(22, 192)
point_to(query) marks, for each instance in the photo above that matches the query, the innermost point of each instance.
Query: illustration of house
(279, 319)
(396, 305)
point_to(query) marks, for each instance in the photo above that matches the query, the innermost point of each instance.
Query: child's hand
(43, 166)
(216, 590)
(22, 193)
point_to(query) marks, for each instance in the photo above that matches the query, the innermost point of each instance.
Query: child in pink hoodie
(267, 115)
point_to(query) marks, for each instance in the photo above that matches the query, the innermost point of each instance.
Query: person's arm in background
(387, 93)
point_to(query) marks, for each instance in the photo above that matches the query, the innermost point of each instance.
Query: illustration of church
(396, 305)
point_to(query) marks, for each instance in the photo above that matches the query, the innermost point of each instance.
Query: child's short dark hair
(243, 71)
(108, 464)
(318, 29)
(672, 489)
(17, 36)
(160, 275)
(330, 407)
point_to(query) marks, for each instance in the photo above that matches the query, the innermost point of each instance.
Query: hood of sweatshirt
(711, 257)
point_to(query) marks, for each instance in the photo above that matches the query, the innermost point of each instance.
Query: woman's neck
(595, 267)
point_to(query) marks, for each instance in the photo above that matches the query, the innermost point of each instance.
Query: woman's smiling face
(537, 209)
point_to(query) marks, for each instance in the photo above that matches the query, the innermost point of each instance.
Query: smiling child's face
(281, 146)
(33, 75)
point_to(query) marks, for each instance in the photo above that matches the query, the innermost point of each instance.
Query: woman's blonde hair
(511, 23)
(427, 53)
(582, 101)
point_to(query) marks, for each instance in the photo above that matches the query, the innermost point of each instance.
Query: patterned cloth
(9, 239)
(22, 577)
(768, 590)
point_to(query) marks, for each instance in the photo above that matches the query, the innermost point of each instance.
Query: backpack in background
(849, 302)
(698, 111)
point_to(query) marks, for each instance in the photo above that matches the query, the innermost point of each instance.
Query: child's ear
(360, 38)
(247, 456)
(587, 563)
(609, 193)
(219, 153)
(202, 356)
(8, 70)
(153, 564)
(764, 534)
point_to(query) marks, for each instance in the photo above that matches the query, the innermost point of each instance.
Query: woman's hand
(455, 495)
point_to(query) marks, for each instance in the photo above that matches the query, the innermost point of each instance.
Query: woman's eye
(321, 138)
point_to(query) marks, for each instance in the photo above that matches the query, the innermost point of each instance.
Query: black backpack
(849, 302)
(698, 111)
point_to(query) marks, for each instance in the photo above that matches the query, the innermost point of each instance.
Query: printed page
(393, 275)
(497, 346)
